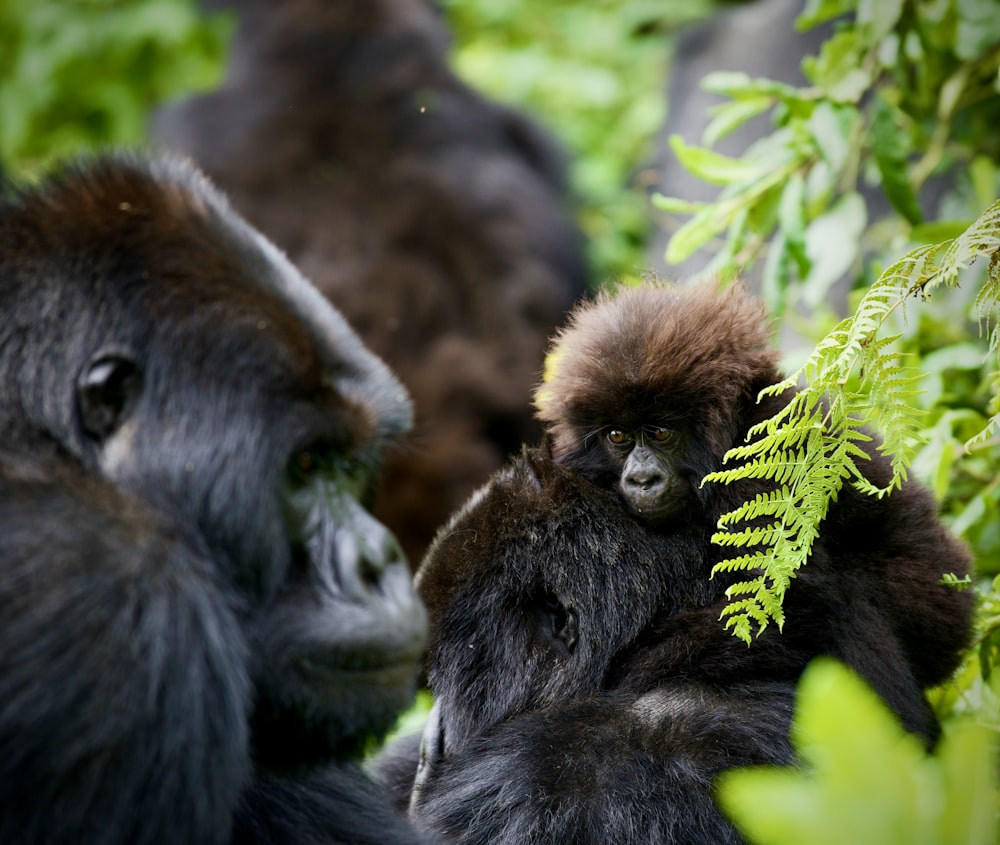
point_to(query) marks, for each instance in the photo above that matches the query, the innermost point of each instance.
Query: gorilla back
(195, 606)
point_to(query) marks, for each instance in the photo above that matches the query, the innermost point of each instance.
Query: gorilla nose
(643, 479)
(365, 551)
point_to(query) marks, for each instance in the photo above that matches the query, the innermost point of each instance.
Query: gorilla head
(195, 433)
(648, 387)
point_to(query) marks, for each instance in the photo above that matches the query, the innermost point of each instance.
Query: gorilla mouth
(339, 667)
(654, 505)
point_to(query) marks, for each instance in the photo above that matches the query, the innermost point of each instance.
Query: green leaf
(740, 86)
(831, 128)
(821, 11)
(838, 70)
(712, 166)
(978, 28)
(731, 116)
(879, 17)
(891, 148)
(697, 232)
(792, 221)
(864, 780)
(831, 243)
(675, 205)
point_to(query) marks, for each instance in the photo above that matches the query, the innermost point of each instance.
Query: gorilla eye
(351, 471)
(305, 462)
(617, 436)
(563, 624)
(106, 391)
(660, 434)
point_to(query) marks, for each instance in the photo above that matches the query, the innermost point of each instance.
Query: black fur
(536, 740)
(196, 613)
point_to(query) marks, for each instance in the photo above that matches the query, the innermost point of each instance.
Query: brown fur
(658, 349)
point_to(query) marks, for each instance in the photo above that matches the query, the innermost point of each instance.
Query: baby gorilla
(646, 390)
(201, 623)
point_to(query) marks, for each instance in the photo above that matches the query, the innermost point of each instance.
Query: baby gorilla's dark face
(647, 461)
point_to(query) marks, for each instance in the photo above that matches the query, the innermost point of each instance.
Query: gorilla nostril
(644, 480)
(371, 568)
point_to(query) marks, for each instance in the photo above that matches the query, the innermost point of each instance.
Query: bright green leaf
(879, 17)
(731, 116)
(821, 11)
(865, 780)
(674, 205)
(831, 128)
(831, 243)
(712, 166)
(838, 70)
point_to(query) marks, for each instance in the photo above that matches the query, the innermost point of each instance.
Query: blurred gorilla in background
(201, 623)
(433, 218)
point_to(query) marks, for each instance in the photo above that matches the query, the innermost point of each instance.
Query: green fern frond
(811, 447)
(737, 564)
(988, 311)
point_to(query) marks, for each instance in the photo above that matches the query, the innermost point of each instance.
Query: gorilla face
(192, 367)
(533, 590)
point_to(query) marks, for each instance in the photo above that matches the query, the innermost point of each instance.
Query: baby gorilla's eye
(617, 436)
(660, 433)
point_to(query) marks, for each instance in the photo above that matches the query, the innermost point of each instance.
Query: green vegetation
(80, 73)
(864, 780)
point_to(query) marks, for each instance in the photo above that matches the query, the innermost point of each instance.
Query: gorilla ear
(106, 391)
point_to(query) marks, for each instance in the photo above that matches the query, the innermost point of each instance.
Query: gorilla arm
(604, 769)
(120, 674)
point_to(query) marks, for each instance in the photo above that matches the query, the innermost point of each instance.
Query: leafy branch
(810, 448)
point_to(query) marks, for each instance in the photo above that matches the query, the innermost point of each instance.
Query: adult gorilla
(436, 220)
(541, 733)
(195, 608)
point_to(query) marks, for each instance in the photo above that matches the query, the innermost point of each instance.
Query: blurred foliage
(79, 73)
(594, 73)
(863, 779)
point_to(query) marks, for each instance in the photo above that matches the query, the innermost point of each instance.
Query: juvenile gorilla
(200, 621)
(647, 389)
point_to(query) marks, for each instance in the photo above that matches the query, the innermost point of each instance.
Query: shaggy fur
(435, 220)
(690, 354)
(536, 738)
